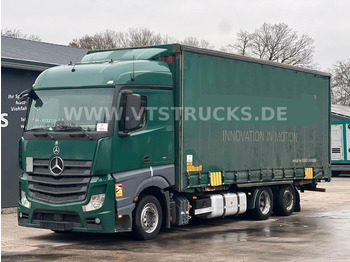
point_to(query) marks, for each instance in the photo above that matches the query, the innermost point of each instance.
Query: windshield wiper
(75, 128)
(41, 129)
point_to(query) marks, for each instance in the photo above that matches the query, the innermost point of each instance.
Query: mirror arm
(32, 94)
(29, 93)
(122, 134)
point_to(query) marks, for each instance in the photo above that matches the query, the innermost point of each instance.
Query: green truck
(140, 138)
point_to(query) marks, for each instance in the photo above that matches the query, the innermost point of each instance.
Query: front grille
(57, 216)
(70, 186)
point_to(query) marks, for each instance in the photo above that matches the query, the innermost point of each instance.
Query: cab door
(149, 142)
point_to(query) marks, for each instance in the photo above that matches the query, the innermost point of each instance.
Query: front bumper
(70, 216)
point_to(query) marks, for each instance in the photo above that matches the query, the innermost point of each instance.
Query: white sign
(189, 158)
(102, 127)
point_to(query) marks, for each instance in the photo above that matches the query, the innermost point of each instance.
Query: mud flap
(167, 208)
(297, 207)
(251, 197)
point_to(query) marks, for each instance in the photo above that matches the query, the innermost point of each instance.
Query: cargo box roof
(152, 52)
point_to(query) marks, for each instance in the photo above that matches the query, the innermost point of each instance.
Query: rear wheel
(148, 218)
(285, 200)
(263, 204)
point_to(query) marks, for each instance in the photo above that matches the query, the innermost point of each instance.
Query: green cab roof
(109, 68)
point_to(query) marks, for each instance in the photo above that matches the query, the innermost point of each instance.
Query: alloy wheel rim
(264, 202)
(288, 199)
(149, 218)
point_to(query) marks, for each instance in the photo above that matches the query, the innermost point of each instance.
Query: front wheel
(263, 204)
(148, 218)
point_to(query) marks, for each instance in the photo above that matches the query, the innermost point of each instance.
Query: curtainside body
(135, 139)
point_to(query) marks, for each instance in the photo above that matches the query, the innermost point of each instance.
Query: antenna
(73, 69)
(133, 69)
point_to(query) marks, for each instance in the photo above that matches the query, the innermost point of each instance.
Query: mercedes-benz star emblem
(56, 150)
(56, 165)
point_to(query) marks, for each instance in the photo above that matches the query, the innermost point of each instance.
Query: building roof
(340, 112)
(34, 55)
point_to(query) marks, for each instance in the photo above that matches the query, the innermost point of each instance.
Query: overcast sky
(218, 21)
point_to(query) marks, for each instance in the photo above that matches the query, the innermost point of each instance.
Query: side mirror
(30, 93)
(132, 112)
(38, 103)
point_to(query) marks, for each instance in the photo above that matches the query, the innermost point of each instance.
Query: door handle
(147, 159)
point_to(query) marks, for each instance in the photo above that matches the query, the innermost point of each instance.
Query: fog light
(97, 220)
(20, 215)
(120, 216)
(24, 201)
(96, 202)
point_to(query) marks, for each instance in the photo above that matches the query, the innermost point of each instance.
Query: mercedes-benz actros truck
(139, 138)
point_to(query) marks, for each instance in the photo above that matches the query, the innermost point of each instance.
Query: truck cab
(90, 148)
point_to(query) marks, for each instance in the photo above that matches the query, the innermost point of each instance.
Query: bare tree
(86, 41)
(112, 39)
(143, 37)
(106, 40)
(132, 38)
(206, 44)
(166, 39)
(193, 41)
(16, 33)
(341, 83)
(277, 43)
(242, 45)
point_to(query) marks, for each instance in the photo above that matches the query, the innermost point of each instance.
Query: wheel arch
(156, 183)
(157, 189)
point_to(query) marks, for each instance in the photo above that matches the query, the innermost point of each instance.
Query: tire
(285, 200)
(147, 218)
(263, 204)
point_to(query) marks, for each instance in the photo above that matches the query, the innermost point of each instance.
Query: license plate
(56, 226)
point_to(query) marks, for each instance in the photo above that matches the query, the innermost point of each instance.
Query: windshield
(84, 109)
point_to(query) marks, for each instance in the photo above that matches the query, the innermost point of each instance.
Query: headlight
(24, 201)
(96, 202)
